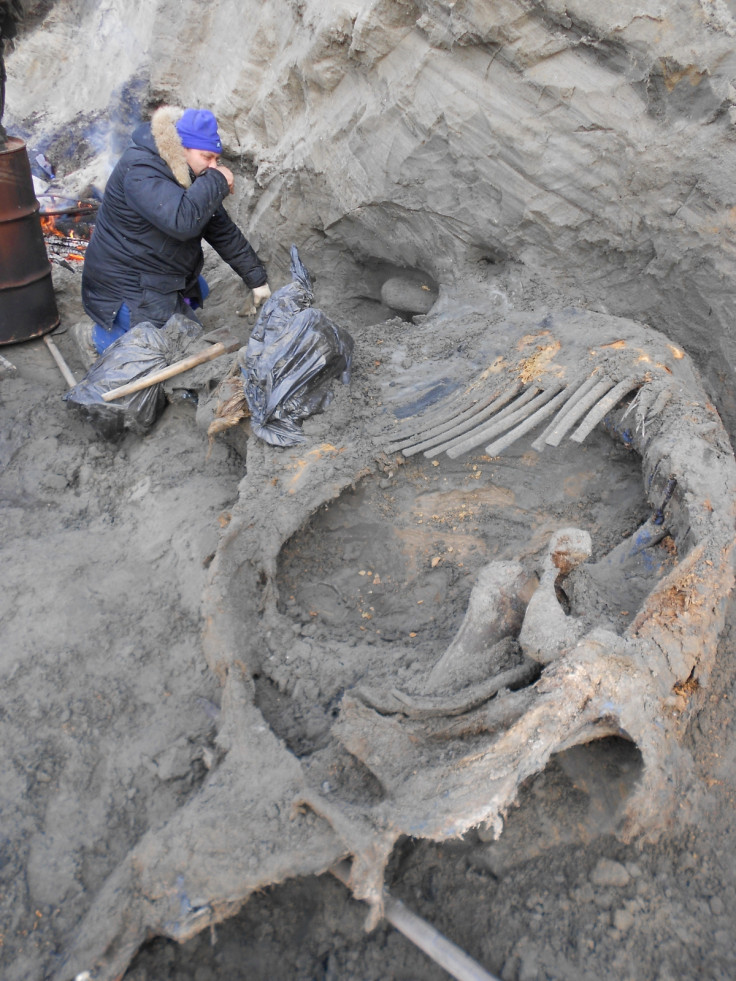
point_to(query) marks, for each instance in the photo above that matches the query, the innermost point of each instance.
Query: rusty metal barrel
(27, 302)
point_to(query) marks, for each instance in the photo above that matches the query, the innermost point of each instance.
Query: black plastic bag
(292, 356)
(137, 354)
(278, 310)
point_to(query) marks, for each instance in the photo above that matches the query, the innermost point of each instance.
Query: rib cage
(514, 411)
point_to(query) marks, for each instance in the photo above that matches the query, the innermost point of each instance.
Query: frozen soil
(109, 711)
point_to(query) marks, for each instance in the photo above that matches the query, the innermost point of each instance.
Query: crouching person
(144, 260)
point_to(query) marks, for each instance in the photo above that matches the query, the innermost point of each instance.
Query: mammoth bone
(538, 665)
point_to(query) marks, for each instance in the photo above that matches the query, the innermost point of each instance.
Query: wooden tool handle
(63, 366)
(209, 354)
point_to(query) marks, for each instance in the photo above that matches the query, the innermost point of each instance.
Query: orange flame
(48, 225)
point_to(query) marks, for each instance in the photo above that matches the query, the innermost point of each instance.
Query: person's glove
(261, 294)
(258, 296)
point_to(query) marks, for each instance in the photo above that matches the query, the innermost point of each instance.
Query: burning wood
(67, 233)
(65, 248)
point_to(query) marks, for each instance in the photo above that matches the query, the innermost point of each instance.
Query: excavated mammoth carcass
(538, 665)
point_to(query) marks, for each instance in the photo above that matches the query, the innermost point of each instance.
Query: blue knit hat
(197, 130)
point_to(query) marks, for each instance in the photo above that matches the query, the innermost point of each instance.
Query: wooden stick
(436, 946)
(209, 354)
(7, 367)
(63, 366)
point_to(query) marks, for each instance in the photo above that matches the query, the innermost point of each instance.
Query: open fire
(67, 228)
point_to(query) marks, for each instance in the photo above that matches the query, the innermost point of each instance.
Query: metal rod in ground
(434, 944)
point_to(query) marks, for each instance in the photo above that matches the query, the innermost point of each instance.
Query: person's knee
(103, 337)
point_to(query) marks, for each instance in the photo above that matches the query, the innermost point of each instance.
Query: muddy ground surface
(109, 711)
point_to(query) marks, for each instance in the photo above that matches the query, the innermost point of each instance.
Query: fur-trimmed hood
(168, 144)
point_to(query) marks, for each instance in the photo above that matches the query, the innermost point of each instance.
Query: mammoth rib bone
(461, 423)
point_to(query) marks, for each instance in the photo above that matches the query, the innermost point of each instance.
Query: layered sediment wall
(589, 144)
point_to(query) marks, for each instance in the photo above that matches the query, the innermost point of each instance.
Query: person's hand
(228, 175)
(258, 296)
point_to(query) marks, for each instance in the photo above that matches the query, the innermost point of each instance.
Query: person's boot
(82, 333)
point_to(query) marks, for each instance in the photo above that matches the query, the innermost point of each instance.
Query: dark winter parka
(146, 249)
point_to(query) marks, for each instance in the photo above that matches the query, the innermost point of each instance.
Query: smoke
(110, 132)
(77, 159)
